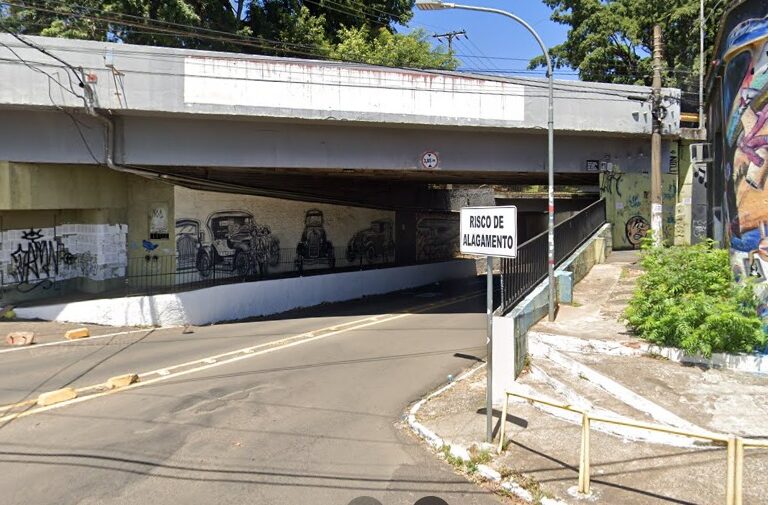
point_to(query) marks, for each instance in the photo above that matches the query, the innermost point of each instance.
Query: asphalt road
(315, 422)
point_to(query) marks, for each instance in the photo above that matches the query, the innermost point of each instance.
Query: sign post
(489, 232)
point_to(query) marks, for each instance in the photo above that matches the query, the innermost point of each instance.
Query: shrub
(687, 298)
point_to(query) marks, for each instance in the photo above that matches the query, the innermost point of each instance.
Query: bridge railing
(521, 274)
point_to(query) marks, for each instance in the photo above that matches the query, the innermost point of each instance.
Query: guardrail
(734, 445)
(521, 274)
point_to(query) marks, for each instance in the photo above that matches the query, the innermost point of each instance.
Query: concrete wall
(738, 193)
(510, 342)
(176, 81)
(628, 202)
(237, 301)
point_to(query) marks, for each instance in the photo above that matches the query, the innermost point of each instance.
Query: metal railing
(521, 274)
(155, 273)
(734, 445)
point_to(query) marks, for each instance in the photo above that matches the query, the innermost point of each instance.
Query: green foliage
(348, 30)
(390, 49)
(612, 40)
(687, 298)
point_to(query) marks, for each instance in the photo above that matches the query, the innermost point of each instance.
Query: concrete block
(77, 333)
(20, 338)
(58, 396)
(460, 452)
(122, 380)
(488, 473)
(564, 286)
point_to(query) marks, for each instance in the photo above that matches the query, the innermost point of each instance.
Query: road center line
(235, 356)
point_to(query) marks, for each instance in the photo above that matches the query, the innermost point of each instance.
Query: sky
(496, 36)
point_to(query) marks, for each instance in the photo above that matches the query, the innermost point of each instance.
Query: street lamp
(433, 5)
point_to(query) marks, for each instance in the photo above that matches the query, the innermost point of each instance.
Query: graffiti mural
(628, 205)
(745, 160)
(35, 258)
(374, 244)
(237, 244)
(228, 234)
(437, 236)
(314, 246)
(636, 229)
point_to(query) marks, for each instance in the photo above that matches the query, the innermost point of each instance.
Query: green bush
(687, 298)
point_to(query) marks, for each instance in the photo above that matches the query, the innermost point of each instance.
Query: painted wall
(743, 153)
(221, 233)
(629, 209)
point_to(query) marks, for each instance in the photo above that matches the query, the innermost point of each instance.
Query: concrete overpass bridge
(154, 168)
(309, 130)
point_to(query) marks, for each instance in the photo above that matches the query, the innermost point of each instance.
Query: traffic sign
(430, 160)
(489, 231)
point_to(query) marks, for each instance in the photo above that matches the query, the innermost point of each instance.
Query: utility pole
(701, 64)
(658, 115)
(450, 36)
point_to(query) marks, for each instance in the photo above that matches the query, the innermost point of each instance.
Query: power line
(455, 34)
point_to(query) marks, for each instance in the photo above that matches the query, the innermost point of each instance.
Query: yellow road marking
(164, 374)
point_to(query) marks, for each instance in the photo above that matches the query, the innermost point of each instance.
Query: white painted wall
(335, 88)
(238, 301)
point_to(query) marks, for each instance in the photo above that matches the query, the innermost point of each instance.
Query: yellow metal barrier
(734, 445)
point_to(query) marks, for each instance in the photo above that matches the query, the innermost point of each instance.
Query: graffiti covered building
(738, 134)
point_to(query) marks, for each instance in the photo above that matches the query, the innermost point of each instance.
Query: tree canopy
(349, 30)
(612, 40)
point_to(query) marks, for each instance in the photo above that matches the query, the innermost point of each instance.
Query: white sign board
(489, 231)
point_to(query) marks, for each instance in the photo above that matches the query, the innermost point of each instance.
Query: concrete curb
(484, 472)
(749, 363)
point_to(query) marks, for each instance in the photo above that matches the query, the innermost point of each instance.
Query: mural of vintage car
(238, 244)
(189, 240)
(374, 243)
(314, 246)
(437, 238)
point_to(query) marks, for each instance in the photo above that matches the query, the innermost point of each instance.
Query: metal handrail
(734, 445)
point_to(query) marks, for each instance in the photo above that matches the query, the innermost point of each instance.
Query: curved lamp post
(433, 5)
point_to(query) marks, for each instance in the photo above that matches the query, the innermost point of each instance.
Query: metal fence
(521, 274)
(155, 273)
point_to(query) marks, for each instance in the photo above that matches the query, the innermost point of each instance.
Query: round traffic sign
(430, 160)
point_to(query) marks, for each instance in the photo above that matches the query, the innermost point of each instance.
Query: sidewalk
(586, 358)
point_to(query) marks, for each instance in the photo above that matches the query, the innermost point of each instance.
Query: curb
(749, 363)
(484, 472)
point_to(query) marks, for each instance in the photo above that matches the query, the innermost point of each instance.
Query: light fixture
(434, 5)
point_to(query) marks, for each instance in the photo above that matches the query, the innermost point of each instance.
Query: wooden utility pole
(450, 36)
(658, 115)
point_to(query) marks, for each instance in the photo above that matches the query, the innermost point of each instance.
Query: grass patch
(687, 298)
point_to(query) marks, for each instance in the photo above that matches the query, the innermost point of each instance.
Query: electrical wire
(582, 89)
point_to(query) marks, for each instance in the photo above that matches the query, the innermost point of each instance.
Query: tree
(612, 40)
(350, 30)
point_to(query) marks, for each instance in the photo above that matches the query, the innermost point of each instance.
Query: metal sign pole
(489, 362)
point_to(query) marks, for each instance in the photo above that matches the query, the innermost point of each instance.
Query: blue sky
(494, 35)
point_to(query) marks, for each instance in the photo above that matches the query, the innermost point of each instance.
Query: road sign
(430, 160)
(489, 231)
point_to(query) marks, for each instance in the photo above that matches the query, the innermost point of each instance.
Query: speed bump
(77, 333)
(121, 381)
(58, 396)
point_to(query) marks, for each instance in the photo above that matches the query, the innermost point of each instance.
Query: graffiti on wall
(629, 209)
(35, 258)
(377, 242)
(745, 106)
(237, 243)
(437, 236)
(228, 234)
